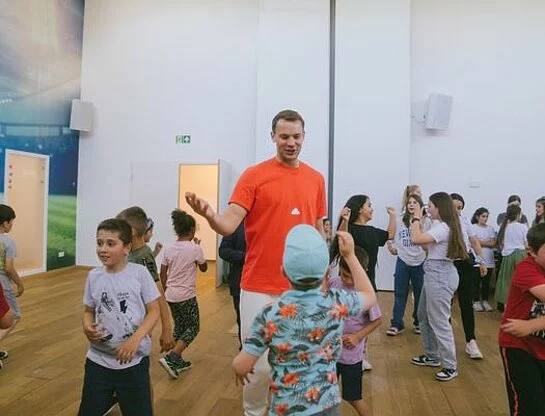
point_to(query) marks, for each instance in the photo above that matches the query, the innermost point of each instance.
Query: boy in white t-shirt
(8, 273)
(121, 309)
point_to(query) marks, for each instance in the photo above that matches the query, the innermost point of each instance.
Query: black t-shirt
(370, 239)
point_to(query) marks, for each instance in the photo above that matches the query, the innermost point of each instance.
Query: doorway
(202, 179)
(159, 187)
(26, 183)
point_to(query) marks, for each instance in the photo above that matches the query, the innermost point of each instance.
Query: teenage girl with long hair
(512, 243)
(466, 274)
(354, 218)
(540, 211)
(487, 238)
(409, 265)
(410, 190)
(444, 243)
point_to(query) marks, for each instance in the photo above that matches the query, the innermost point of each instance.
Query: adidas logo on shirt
(295, 211)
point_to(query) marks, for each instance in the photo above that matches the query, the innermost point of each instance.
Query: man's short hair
(288, 115)
(137, 219)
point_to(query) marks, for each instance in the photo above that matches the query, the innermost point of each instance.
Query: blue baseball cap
(305, 254)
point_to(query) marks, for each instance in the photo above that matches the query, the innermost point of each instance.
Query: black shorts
(131, 386)
(351, 375)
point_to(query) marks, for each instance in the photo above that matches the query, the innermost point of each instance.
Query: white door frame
(46, 200)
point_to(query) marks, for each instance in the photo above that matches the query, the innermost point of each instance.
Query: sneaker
(169, 365)
(446, 374)
(477, 306)
(425, 360)
(417, 330)
(393, 331)
(487, 307)
(472, 349)
(112, 407)
(366, 365)
(3, 355)
(183, 365)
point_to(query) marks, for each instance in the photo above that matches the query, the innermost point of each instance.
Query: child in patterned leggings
(179, 276)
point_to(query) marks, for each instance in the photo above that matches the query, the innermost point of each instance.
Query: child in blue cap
(303, 329)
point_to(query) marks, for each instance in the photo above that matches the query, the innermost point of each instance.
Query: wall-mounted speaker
(81, 116)
(438, 113)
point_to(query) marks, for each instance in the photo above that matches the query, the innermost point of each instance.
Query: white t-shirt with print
(440, 232)
(515, 238)
(484, 234)
(119, 300)
(411, 254)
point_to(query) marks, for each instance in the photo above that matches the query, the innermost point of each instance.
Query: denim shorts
(10, 297)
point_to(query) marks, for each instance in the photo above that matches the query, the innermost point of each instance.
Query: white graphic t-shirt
(119, 300)
(411, 254)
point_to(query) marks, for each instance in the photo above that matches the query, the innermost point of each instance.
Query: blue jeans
(404, 275)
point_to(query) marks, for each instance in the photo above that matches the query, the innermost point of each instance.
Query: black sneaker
(169, 365)
(3, 355)
(183, 365)
(425, 360)
(446, 374)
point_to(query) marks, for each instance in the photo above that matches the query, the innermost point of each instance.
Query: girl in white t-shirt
(487, 238)
(409, 266)
(512, 244)
(179, 277)
(444, 243)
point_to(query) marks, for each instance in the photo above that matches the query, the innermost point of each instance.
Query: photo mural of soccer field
(40, 71)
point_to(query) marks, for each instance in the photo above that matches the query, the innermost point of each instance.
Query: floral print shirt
(302, 331)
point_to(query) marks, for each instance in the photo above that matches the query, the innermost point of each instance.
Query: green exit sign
(183, 139)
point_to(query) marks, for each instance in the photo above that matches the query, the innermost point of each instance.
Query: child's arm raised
(126, 352)
(361, 281)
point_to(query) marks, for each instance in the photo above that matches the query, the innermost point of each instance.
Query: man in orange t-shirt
(271, 197)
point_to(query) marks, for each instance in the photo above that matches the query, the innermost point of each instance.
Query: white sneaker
(487, 307)
(478, 307)
(472, 349)
(366, 365)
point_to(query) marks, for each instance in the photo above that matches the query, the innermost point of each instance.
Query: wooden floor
(43, 375)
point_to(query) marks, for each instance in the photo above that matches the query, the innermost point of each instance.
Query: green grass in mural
(61, 235)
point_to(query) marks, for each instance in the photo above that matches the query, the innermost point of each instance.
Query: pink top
(182, 259)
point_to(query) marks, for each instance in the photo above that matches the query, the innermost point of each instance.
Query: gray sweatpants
(434, 310)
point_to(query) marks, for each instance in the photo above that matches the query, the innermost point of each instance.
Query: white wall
(220, 70)
(372, 129)
(293, 72)
(491, 59)
(154, 70)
